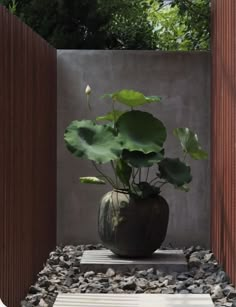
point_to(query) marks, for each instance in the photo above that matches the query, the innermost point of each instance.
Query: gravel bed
(62, 274)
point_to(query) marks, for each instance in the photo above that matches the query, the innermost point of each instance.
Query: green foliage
(13, 6)
(128, 26)
(183, 25)
(132, 98)
(98, 143)
(92, 180)
(86, 24)
(112, 116)
(132, 143)
(196, 15)
(168, 27)
(112, 24)
(123, 171)
(141, 131)
(190, 144)
(175, 172)
(10, 4)
(139, 159)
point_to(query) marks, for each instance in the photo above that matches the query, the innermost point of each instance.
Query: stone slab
(164, 260)
(133, 300)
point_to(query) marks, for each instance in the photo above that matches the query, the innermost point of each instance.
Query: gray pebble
(62, 274)
(110, 272)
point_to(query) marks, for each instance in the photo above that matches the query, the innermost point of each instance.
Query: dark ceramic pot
(132, 227)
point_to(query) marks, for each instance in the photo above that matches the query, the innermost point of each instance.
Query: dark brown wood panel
(223, 152)
(27, 156)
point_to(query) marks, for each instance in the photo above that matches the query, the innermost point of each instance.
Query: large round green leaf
(190, 144)
(141, 131)
(132, 98)
(87, 140)
(174, 171)
(139, 159)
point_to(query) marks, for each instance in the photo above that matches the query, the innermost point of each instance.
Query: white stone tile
(164, 260)
(133, 300)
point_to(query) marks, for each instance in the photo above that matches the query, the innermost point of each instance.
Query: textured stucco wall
(183, 80)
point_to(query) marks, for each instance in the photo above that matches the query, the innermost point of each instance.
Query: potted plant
(133, 216)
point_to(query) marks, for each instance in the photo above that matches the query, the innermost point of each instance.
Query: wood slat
(223, 149)
(27, 156)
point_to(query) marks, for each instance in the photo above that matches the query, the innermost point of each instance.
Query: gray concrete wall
(183, 80)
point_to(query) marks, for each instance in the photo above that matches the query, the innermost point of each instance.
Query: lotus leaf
(92, 180)
(132, 98)
(87, 140)
(190, 144)
(139, 159)
(111, 116)
(175, 172)
(140, 131)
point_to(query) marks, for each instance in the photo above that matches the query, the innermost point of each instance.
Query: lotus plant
(132, 141)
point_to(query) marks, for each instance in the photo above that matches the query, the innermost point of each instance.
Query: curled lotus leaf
(190, 144)
(92, 180)
(175, 172)
(87, 140)
(140, 131)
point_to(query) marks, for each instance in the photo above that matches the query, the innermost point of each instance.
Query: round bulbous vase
(131, 227)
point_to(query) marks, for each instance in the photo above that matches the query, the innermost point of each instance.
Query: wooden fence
(223, 150)
(27, 156)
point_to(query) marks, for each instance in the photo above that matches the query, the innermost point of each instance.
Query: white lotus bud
(88, 90)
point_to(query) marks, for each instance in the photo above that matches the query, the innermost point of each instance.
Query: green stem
(114, 170)
(89, 106)
(154, 179)
(140, 175)
(105, 176)
(147, 173)
(113, 110)
(162, 184)
(134, 174)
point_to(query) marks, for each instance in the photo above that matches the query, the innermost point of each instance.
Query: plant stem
(140, 175)
(105, 176)
(114, 170)
(134, 175)
(147, 173)
(154, 179)
(88, 103)
(162, 184)
(113, 110)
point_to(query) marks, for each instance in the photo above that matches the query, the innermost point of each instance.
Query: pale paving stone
(164, 260)
(133, 300)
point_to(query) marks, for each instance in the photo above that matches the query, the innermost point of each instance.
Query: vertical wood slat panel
(223, 156)
(27, 156)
